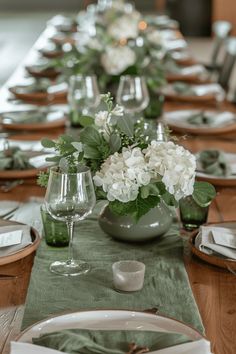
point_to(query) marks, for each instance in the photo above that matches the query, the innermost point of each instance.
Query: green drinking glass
(55, 231)
(192, 215)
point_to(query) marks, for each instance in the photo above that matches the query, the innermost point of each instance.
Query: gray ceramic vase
(153, 224)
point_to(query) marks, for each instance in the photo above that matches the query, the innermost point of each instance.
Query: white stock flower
(124, 27)
(101, 119)
(118, 111)
(174, 164)
(117, 59)
(122, 174)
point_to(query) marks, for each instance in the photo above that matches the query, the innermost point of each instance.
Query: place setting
(19, 159)
(33, 119)
(203, 122)
(44, 68)
(216, 245)
(51, 50)
(40, 90)
(217, 167)
(184, 92)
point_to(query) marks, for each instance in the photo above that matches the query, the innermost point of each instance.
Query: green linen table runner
(166, 284)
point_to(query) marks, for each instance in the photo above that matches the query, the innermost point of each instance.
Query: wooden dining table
(214, 288)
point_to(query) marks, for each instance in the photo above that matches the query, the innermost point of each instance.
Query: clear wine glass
(83, 95)
(70, 197)
(133, 94)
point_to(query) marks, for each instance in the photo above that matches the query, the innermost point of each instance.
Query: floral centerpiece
(123, 44)
(132, 170)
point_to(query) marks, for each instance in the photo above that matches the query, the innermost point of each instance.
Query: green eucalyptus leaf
(91, 152)
(126, 125)
(53, 159)
(90, 136)
(203, 193)
(115, 142)
(86, 121)
(47, 143)
(66, 138)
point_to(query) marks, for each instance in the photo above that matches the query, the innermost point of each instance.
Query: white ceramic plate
(109, 320)
(221, 121)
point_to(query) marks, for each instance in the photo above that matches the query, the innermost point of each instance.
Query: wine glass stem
(70, 228)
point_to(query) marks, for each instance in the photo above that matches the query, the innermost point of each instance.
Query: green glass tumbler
(192, 215)
(55, 232)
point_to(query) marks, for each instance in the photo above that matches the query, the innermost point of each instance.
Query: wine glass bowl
(133, 94)
(83, 95)
(70, 197)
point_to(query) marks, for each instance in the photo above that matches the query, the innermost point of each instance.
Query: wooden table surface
(214, 288)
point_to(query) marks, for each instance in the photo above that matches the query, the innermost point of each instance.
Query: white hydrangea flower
(121, 175)
(125, 27)
(117, 59)
(174, 164)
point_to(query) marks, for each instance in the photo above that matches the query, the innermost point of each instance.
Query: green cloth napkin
(39, 85)
(166, 284)
(213, 162)
(80, 341)
(26, 117)
(171, 66)
(14, 159)
(200, 118)
(183, 88)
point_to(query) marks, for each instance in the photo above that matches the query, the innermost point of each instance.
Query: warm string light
(123, 41)
(142, 25)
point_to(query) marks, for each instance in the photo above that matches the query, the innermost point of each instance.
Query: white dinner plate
(221, 123)
(109, 320)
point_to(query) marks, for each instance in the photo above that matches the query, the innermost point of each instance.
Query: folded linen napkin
(193, 70)
(200, 118)
(213, 162)
(211, 118)
(201, 346)
(25, 240)
(25, 117)
(183, 88)
(82, 341)
(217, 240)
(201, 90)
(14, 159)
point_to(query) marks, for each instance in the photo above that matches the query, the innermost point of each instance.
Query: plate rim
(195, 332)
